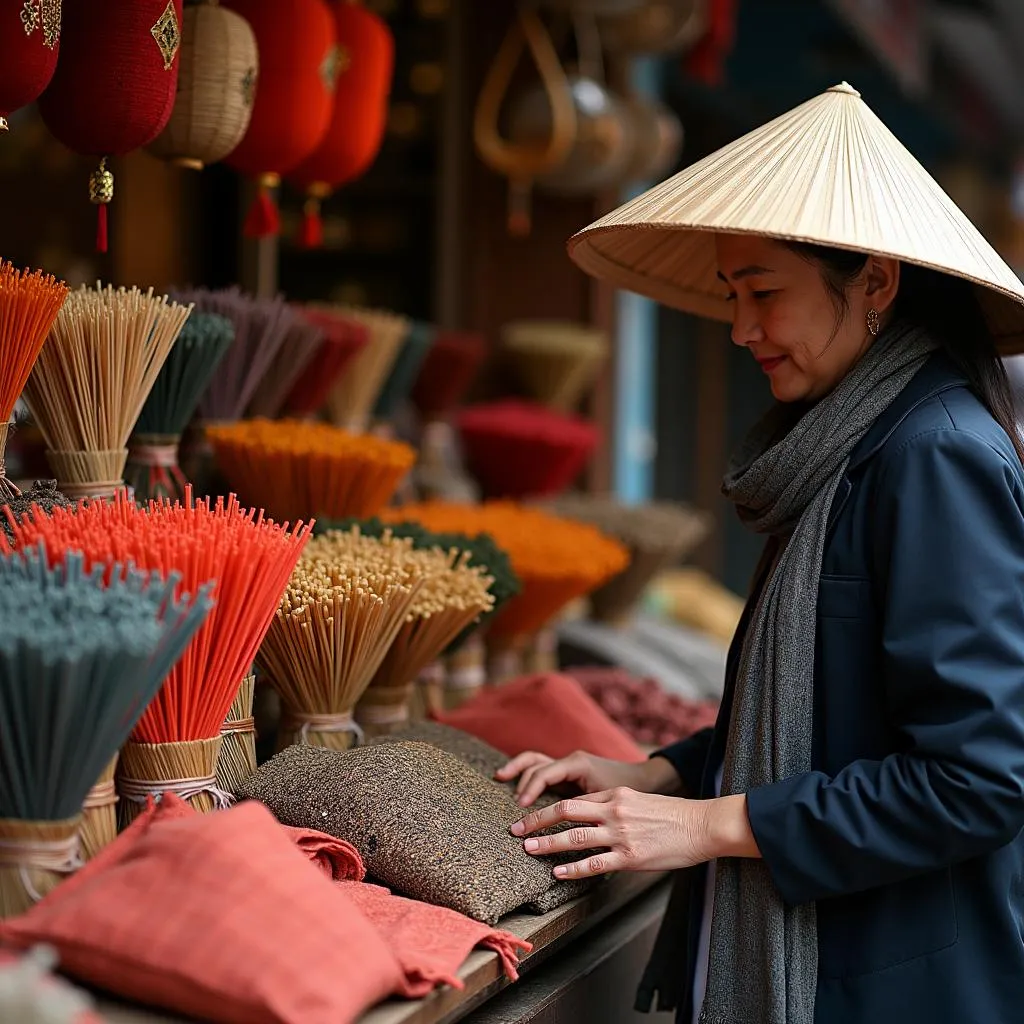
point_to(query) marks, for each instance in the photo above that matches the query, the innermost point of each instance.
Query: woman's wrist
(727, 831)
(661, 777)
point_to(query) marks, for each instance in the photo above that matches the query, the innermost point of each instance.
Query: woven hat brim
(827, 173)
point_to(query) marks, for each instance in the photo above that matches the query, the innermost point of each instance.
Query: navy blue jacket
(907, 830)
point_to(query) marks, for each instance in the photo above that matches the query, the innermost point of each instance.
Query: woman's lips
(768, 365)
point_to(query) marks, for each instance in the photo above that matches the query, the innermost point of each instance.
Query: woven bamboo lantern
(366, 65)
(216, 87)
(29, 44)
(114, 87)
(292, 110)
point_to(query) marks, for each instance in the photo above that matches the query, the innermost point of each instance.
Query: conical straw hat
(828, 172)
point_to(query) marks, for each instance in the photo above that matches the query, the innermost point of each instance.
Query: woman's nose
(746, 329)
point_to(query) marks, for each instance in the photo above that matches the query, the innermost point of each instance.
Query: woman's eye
(764, 294)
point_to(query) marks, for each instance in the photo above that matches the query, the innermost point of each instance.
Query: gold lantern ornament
(216, 87)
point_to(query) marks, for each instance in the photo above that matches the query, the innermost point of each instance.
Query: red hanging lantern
(29, 44)
(115, 83)
(294, 96)
(366, 65)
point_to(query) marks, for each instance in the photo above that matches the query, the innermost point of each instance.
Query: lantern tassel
(311, 236)
(101, 191)
(101, 228)
(263, 219)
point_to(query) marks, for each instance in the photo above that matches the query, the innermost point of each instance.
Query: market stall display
(177, 741)
(82, 652)
(92, 378)
(404, 371)
(29, 304)
(153, 470)
(300, 346)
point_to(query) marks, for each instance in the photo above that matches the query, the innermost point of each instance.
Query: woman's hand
(640, 832)
(538, 773)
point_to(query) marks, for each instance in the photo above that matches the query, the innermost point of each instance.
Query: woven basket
(218, 67)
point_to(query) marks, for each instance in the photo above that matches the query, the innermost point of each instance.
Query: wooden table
(574, 964)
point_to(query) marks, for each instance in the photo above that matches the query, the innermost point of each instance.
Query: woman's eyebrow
(748, 271)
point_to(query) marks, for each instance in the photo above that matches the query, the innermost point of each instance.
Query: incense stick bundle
(520, 449)
(658, 534)
(557, 363)
(29, 304)
(352, 399)
(452, 596)
(153, 468)
(237, 758)
(261, 327)
(297, 469)
(174, 746)
(302, 342)
(342, 341)
(447, 372)
(557, 560)
(439, 689)
(99, 813)
(405, 369)
(344, 605)
(93, 377)
(80, 657)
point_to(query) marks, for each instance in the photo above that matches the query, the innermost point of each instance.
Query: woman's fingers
(572, 840)
(599, 864)
(590, 811)
(520, 764)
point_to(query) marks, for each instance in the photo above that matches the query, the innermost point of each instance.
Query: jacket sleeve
(688, 757)
(948, 549)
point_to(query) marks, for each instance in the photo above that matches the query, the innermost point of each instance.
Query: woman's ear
(883, 282)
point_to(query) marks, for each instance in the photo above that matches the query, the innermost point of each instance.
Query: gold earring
(873, 325)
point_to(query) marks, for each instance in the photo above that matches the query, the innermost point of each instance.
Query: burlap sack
(424, 822)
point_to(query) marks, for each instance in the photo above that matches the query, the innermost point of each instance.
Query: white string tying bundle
(61, 856)
(139, 790)
(302, 723)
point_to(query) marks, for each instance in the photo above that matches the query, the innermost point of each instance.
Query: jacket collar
(937, 375)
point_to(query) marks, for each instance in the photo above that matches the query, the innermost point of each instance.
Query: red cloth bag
(548, 712)
(216, 916)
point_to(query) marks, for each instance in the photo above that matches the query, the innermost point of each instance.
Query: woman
(853, 824)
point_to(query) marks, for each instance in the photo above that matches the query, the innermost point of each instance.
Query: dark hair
(947, 308)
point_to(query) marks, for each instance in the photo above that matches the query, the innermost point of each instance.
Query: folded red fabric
(549, 712)
(216, 916)
(337, 859)
(431, 943)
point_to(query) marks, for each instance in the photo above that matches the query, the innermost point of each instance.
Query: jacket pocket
(881, 928)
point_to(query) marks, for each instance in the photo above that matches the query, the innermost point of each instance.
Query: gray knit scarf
(764, 959)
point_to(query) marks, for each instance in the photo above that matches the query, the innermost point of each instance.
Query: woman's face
(784, 314)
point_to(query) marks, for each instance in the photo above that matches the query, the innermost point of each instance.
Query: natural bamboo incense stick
(80, 657)
(29, 304)
(341, 611)
(99, 813)
(351, 401)
(175, 744)
(453, 595)
(92, 379)
(237, 758)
